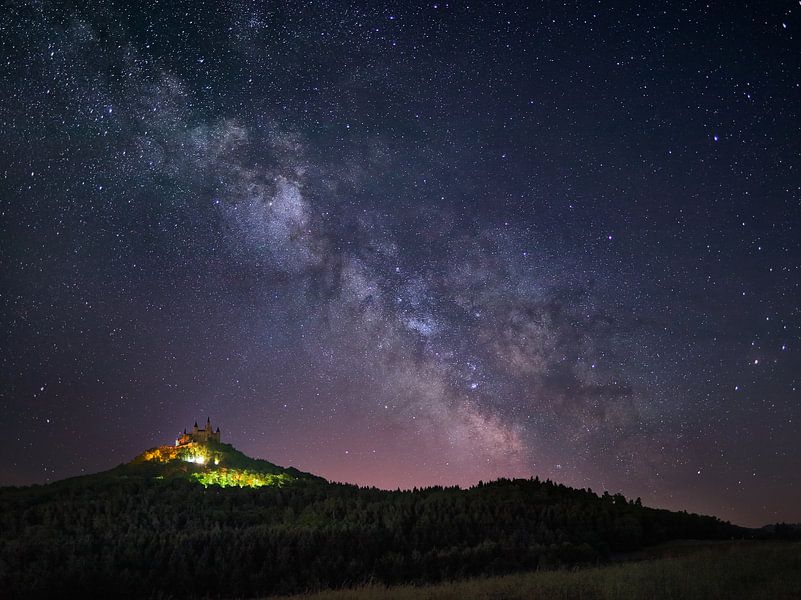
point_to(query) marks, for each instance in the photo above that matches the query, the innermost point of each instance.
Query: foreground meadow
(734, 571)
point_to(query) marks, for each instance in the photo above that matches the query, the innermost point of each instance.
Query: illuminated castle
(206, 434)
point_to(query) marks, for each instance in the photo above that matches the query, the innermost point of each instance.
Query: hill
(209, 463)
(204, 520)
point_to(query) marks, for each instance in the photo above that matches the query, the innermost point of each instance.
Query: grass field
(683, 571)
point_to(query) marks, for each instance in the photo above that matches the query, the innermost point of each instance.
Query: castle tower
(208, 434)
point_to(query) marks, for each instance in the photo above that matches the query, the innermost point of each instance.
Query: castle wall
(198, 435)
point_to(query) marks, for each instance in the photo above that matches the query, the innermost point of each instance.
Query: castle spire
(200, 435)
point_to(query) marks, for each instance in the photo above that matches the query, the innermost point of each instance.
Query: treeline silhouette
(132, 536)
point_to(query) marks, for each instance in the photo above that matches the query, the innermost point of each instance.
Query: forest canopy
(150, 528)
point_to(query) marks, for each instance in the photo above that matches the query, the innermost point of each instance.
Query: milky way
(404, 246)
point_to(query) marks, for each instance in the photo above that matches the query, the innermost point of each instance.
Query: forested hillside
(133, 532)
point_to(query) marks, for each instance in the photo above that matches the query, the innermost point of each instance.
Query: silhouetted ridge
(205, 520)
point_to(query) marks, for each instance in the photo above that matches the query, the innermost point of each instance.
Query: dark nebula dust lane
(407, 245)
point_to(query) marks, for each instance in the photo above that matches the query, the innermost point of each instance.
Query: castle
(206, 434)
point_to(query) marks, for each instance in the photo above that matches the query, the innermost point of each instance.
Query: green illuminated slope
(210, 463)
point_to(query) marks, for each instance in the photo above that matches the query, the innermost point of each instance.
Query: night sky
(407, 245)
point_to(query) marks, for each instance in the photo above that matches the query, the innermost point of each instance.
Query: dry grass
(735, 571)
